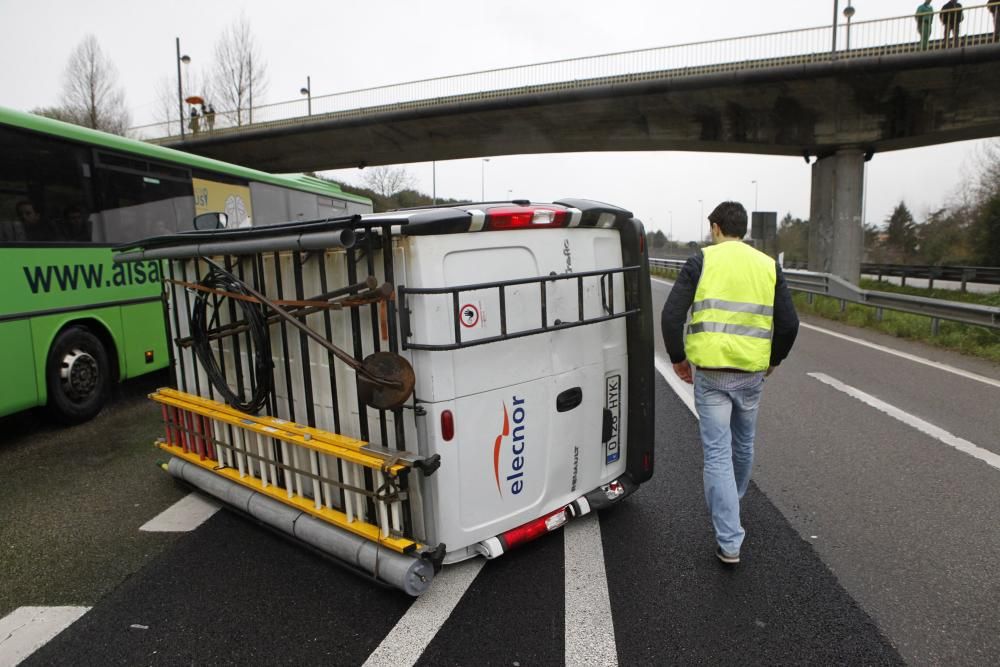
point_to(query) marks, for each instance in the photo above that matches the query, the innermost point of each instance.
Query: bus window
(140, 199)
(270, 203)
(302, 206)
(44, 192)
(330, 208)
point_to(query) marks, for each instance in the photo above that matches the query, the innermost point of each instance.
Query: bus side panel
(143, 329)
(19, 389)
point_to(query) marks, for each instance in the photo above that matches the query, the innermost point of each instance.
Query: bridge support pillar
(836, 234)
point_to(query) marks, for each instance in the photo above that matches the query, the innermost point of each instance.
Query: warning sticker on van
(612, 401)
(469, 316)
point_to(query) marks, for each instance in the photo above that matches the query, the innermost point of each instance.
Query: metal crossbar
(607, 300)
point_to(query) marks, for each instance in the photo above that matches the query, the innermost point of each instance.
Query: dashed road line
(185, 515)
(414, 631)
(590, 629)
(27, 629)
(904, 355)
(937, 432)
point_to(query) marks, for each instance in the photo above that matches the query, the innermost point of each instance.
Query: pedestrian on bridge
(743, 324)
(951, 17)
(925, 22)
(994, 8)
(209, 113)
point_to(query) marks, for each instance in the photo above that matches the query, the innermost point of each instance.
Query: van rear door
(539, 419)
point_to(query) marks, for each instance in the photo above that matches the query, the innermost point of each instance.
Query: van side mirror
(213, 220)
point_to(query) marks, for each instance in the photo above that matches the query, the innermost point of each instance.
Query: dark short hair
(731, 218)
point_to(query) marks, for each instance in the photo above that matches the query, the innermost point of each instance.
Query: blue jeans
(728, 418)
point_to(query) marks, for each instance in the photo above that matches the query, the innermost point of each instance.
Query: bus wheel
(78, 375)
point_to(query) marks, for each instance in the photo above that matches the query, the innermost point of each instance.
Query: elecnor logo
(515, 474)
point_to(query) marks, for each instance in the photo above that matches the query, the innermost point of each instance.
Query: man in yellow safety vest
(742, 325)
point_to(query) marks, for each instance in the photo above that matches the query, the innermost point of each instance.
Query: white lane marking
(27, 629)
(414, 631)
(186, 514)
(944, 436)
(590, 629)
(683, 390)
(969, 375)
(910, 357)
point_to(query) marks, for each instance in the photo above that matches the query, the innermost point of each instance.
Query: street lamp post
(180, 91)
(848, 14)
(307, 91)
(836, 11)
(671, 225)
(482, 180)
(755, 190)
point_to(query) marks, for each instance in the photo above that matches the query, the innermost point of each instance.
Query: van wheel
(77, 375)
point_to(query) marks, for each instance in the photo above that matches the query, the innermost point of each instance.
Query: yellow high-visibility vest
(733, 312)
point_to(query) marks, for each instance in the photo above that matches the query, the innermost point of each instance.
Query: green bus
(72, 322)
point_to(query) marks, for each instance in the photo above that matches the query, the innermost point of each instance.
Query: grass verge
(965, 338)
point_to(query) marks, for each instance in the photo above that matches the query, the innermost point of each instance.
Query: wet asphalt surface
(868, 543)
(232, 592)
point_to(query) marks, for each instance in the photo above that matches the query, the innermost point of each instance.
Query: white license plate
(613, 402)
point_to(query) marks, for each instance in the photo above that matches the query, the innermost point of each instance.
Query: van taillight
(534, 529)
(447, 425)
(524, 217)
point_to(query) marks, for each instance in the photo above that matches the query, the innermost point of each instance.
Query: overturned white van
(410, 389)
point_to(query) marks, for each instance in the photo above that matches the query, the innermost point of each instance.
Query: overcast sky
(349, 45)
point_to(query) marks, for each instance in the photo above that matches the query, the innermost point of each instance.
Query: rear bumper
(600, 498)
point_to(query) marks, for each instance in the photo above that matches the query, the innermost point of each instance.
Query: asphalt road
(906, 523)
(868, 542)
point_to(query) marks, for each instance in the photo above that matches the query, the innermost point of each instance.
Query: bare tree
(91, 95)
(387, 181)
(57, 113)
(239, 71)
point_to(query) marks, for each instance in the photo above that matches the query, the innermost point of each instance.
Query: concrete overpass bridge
(839, 96)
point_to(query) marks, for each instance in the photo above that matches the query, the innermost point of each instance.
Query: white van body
(531, 351)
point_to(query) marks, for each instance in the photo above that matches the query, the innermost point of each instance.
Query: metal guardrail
(835, 287)
(980, 275)
(861, 39)
(983, 275)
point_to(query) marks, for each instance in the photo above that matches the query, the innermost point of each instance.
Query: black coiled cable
(254, 316)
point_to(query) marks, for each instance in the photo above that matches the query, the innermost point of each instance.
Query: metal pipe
(410, 574)
(343, 238)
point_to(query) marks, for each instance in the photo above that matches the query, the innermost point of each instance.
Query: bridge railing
(879, 37)
(835, 287)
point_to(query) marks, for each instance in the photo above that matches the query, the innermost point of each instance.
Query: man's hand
(683, 370)
(770, 369)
